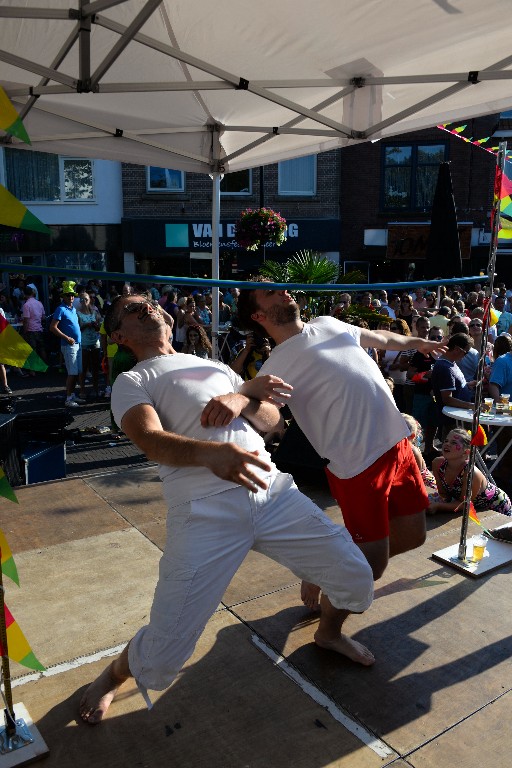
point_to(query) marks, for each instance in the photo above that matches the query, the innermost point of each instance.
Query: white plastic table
(464, 416)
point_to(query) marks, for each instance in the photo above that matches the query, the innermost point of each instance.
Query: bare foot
(348, 647)
(99, 696)
(310, 594)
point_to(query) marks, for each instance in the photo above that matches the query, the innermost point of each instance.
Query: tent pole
(216, 179)
(491, 268)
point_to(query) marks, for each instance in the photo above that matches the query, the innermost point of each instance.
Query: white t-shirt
(340, 399)
(178, 387)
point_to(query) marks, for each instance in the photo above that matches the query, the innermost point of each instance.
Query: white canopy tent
(218, 87)
(201, 86)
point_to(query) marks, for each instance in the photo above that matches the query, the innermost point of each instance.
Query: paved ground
(91, 446)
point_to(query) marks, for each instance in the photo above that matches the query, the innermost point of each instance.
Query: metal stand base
(497, 554)
(26, 745)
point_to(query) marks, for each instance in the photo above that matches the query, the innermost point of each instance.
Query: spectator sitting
(427, 476)
(450, 472)
(197, 342)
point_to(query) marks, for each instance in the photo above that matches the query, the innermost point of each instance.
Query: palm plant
(304, 267)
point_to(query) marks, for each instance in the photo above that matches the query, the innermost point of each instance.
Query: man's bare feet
(99, 696)
(310, 595)
(347, 647)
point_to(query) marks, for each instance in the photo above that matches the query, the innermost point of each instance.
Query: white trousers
(208, 539)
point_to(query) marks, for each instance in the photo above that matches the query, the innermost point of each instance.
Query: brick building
(366, 207)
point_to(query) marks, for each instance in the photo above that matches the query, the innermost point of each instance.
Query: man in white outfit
(197, 419)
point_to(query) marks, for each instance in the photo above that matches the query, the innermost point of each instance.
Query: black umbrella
(443, 248)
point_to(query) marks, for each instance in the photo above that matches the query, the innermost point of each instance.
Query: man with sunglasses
(200, 422)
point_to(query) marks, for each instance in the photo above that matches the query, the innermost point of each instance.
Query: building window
(410, 175)
(298, 176)
(41, 177)
(165, 180)
(237, 183)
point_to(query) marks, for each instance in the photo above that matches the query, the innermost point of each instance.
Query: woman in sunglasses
(406, 311)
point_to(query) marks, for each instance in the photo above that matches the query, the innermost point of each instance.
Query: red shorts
(391, 487)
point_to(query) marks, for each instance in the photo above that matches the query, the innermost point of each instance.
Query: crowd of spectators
(48, 328)
(421, 385)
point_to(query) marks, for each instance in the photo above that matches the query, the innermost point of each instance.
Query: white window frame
(297, 192)
(164, 190)
(62, 199)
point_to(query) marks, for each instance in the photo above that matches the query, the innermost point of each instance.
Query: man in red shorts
(344, 407)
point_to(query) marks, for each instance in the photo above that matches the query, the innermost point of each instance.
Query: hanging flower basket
(256, 228)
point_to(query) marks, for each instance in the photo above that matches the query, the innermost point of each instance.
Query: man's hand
(221, 410)
(230, 462)
(434, 348)
(267, 388)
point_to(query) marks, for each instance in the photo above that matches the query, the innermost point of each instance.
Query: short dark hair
(461, 340)
(247, 306)
(112, 315)
(458, 327)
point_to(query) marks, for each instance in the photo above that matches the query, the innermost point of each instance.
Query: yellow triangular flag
(15, 214)
(10, 121)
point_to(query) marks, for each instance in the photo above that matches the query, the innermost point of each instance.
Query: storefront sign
(153, 236)
(410, 241)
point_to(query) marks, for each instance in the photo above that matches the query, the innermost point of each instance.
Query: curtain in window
(32, 176)
(297, 177)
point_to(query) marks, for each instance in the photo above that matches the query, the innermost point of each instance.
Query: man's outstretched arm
(226, 460)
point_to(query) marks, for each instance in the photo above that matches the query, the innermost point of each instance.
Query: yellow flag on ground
(5, 489)
(8, 565)
(15, 351)
(15, 214)
(10, 121)
(18, 648)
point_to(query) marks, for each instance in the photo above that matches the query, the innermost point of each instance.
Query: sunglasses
(436, 338)
(139, 308)
(475, 325)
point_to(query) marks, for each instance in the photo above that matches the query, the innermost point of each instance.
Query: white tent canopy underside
(235, 84)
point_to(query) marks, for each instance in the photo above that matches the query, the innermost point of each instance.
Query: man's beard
(283, 314)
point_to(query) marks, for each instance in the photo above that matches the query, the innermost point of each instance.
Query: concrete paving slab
(442, 644)
(231, 707)
(481, 741)
(55, 513)
(80, 596)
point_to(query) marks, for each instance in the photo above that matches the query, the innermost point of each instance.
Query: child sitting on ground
(416, 439)
(450, 472)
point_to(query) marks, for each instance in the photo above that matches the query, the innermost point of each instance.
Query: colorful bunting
(8, 565)
(18, 648)
(5, 489)
(15, 351)
(10, 121)
(15, 214)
